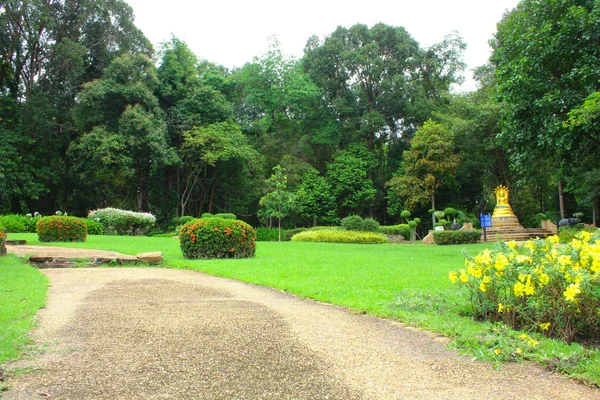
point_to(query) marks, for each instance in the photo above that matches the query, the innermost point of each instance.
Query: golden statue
(502, 209)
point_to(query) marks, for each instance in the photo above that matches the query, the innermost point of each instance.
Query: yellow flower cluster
(537, 284)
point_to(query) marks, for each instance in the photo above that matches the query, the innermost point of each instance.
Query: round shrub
(183, 220)
(207, 215)
(94, 227)
(405, 214)
(340, 236)
(352, 223)
(123, 222)
(61, 229)
(370, 225)
(217, 238)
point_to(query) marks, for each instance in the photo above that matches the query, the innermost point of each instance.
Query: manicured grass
(22, 293)
(405, 282)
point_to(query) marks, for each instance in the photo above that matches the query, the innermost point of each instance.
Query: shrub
(123, 222)
(225, 215)
(13, 223)
(207, 215)
(94, 227)
(352, 223)
(268, 234)
(402, 229)
(566, 234)
(290, 233)
(217, 238)
(457, 237)
(370, 225)
(62, 229)
(340, 236)
(537, 286)
(183, 220)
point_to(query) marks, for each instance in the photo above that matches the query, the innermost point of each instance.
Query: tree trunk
(595, 212)
(561, 201)
(433, 208)
(279, 229)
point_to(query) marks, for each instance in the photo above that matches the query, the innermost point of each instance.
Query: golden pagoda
(503, 214)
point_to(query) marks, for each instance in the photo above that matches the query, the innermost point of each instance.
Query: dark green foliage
(62, 229)
(208, 238)
(399, 230)
(225, 215)
(290, 233)
(356, 223)
(268, 234)
(94, 227)
(457, 237)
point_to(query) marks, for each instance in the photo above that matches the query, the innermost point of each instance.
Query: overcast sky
(232, 32)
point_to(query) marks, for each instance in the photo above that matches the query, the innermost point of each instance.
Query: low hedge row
(62, 229)
(457, 237)
(398, 230)
(208, 238)
(340, 236)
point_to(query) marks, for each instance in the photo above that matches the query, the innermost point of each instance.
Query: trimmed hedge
(94, 227)
(357, 223)
(62, 229)
(208, 238)
(292, 232)
(123, 222)
(457, 237)
(207, 215)
(402, 229)
(340, 236)
(269, 234)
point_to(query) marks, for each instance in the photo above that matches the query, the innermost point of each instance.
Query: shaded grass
(405, 282)
(22, 292)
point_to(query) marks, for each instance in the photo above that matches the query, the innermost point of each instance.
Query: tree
(350, 183)
(428, 165)
(278, 202)
(206, 151)
(314, 199)
(125, 135)
(546, 53)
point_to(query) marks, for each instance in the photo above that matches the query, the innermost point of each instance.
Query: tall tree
(278, 202)
(429, 164)
(546, 55)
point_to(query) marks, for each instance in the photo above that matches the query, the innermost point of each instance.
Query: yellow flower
(453, 276)
(572, 291)
(519, 289)
(524, 259)
(544, 279)
(553, 239)
(584, 235)
(533, 342)
(463, 276)
(519, 351)
(529, 288)
(565, 260)
(501, 262)
(498, 352)
(502, 308)
(512, 244)
(530, 244)
(474, 271)
(545, 326)
(484, 258)
(482, 287)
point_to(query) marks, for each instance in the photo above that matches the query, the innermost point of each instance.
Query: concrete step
(516, 234)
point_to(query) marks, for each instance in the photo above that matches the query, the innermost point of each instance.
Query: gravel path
(142, 333)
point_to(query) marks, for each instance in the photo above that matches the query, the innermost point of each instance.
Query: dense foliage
(217, 238)
(537, 286)
(364, 123)
(123, 222)
(457, 237)
(62, 229)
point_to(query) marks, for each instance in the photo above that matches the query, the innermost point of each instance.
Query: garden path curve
(149, 333)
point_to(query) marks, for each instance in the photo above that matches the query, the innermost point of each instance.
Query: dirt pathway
(156, 333)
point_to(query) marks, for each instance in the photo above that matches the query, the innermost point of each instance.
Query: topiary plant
(62, 229)
(352, 223)
(207, 215)
(207, 238)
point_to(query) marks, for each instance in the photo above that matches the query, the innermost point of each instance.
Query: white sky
(232, 32)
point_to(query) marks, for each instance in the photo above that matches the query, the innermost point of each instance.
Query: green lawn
(405, 282)
(22, 293)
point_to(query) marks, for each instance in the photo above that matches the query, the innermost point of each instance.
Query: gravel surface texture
(148, 333)
(49, 251)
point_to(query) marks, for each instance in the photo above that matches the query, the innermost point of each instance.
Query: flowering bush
(61, 229)
(217, 238)
(340, 236)
(537, 286)
(123, 222)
